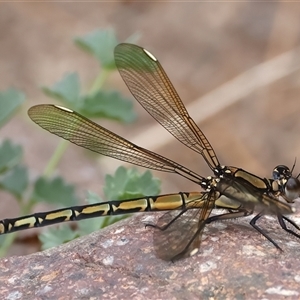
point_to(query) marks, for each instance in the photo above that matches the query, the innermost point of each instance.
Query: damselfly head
(287, 184)
(281, 172)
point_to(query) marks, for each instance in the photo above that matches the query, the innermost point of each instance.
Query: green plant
(96, 103)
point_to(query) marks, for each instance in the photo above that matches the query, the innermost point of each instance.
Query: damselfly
(177, 234)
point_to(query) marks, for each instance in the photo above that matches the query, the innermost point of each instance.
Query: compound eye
(292, 188)
(281, 172)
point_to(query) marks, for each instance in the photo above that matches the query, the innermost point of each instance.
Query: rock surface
(234, 262)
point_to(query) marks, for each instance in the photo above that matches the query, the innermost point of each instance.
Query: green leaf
(88, 226)
(10, 100)
(10, 155)
(54, 191)
(100, 43)
(15, 181)
(129, 183)
(93, 198)
(66, 90)
(145, 184)
(56, 236)
(108, 104)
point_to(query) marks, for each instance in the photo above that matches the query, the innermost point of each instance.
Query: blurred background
(236, 67)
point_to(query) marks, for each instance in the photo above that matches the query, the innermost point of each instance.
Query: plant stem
(54, 160)
(99, 81)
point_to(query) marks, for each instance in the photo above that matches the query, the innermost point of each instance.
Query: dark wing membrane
(85, 133)
(178, 235)
(149, 84)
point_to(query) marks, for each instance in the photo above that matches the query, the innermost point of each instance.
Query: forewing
(85, 133)
(149, 84)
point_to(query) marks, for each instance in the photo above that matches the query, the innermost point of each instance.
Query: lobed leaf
(10, 155)
(54, 191)
(15, 181)
(10, 100)
(108, 104)
(67, 90)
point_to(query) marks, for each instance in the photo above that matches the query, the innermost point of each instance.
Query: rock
(118, 262)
